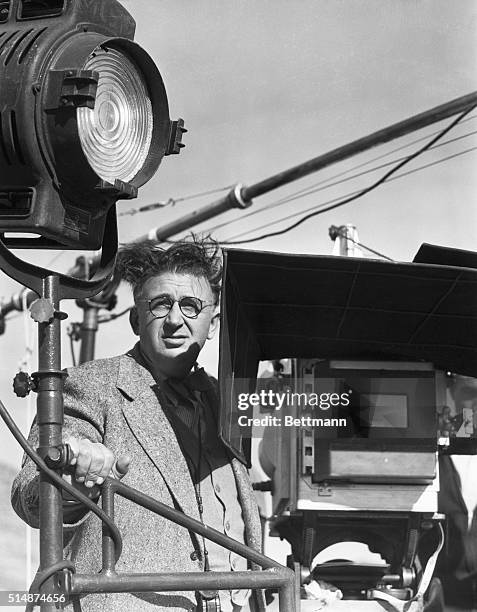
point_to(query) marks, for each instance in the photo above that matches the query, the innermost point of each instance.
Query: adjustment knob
(42, 310)
(22, 384)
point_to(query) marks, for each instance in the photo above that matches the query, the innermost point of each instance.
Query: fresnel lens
(116, 135)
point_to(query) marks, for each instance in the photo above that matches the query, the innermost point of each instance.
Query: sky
(263, 86)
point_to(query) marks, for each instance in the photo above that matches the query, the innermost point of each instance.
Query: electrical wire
(367, 248)
(312, 189)
(366, 190)
(203, 193)
(326, 184)
(53, 259)
(383, 155)
(172, 201)
(146, 208)
(337, 199)
(319, 207)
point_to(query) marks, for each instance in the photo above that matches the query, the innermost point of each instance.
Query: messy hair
(139, 261)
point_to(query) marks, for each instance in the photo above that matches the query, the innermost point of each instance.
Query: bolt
(54, 455)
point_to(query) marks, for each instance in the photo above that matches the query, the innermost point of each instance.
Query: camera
(351, 430)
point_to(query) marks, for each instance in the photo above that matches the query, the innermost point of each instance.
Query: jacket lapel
(153, 431)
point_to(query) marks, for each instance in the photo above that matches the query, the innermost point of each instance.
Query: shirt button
(227, 526)
(194, 555)
(235, 564)
(217, 488)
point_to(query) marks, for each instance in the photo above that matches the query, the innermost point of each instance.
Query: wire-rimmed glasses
(190, 306)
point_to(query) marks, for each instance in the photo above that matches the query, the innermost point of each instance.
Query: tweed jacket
(116, 401)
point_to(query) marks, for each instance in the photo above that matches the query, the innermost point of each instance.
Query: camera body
(378, 427)
(359, 464)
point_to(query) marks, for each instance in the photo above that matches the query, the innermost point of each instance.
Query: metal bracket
(34, 277)
(120, 189)
(175, 137)
(43, 311)
(324, 490)
(72, 88)
(56, 457)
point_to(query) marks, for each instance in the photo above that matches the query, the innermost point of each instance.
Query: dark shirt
(193, 418)
(457, 563)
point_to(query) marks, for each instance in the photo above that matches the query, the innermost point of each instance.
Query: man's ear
(134, 320)
(214, 323)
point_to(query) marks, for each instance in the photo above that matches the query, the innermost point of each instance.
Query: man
(147, 418)
(457, 564)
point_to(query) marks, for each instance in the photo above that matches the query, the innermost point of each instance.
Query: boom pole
(241, 197)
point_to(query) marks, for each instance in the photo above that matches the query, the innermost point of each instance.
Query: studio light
(116, 135)
(84, 119)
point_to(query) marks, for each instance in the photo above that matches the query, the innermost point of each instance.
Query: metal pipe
(50, 422)
(107, 498)
(234, 199)
(417, 122)
(192, 525)
(16, 301)
(273, 576)
(241, 197)
(193, 581)
(287, 596)
(88, 330)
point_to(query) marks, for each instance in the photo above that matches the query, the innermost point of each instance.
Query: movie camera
(352, 427)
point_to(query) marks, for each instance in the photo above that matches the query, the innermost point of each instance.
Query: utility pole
(345, 240)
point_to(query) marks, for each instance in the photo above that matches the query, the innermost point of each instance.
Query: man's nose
(175, 316)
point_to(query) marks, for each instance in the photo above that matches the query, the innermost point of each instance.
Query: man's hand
(93, 463)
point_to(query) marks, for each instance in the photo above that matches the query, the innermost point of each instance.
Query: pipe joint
(236, 196)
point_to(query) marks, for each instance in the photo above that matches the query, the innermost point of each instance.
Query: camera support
(57, 577)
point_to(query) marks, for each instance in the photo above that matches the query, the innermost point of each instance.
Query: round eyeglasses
(190, 307)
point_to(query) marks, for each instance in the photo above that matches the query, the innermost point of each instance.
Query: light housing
(84, 119)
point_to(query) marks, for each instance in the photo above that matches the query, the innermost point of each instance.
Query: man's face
(171, 344)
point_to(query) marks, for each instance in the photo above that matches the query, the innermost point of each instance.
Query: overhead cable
(366, 190)
(321, 207)
(325, 184)
(172, 201)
